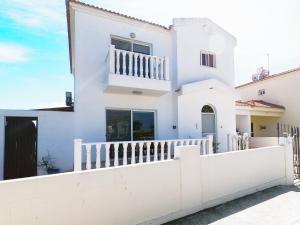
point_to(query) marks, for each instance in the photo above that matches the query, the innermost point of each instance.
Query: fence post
(228, 143)
(77, 154)
(289, 160)
(112, 59)
(210, 144)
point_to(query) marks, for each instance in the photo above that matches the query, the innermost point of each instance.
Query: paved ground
(275, 206)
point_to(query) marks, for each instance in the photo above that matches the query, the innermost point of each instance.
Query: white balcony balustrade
(132, 72)
(107, 154)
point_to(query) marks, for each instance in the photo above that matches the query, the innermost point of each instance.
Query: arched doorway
(208, 121)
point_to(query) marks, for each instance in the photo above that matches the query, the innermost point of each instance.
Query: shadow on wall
(216, 213)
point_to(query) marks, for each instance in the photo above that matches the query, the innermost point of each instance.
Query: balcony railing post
(112, 59)
(130, 64)
(167, 72)
(135, 58)
(146, 66)
(77, 154)
(118, 62)
(141, 65)
(123, 62)
(156, 68)
(151, 67)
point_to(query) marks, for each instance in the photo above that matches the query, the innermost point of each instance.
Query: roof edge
(269, 77)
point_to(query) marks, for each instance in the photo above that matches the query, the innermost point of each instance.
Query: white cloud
(25, 19)
(11, 53)
(36, 13)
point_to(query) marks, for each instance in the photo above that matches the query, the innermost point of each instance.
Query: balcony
(136, 73)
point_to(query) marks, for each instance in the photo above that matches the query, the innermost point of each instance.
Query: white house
(135, 80)
(266, 102)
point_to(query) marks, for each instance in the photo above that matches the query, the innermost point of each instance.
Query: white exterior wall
(92, 39)
(136, 194)
(282, 90)
(243, 123)
(55, 135)
(258, 142)
(189, 115)
(197, 34)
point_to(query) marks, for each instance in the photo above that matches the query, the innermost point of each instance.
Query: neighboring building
(266, 102)
(136, 80)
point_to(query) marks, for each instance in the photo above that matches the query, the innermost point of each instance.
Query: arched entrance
(208, 120)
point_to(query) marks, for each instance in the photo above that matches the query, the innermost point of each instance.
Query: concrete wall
(258, 142)
(55, 135)
(148, 193)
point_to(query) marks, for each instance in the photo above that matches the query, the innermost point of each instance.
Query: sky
(34, 57)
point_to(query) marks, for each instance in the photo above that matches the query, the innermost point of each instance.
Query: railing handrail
(141, 141)
(137, 53)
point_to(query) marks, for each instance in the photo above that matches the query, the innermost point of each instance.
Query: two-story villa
(134, 81)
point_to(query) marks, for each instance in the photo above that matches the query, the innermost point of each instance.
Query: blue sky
(34, 60)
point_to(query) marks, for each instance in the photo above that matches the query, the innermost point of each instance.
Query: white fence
(146, 193)
(134, 64)
(132, 152)
(237, 142)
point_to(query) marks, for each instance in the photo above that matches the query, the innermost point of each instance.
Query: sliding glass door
(142, 125)
(127, 125)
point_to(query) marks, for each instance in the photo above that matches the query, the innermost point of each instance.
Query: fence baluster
(88, 157)
(107, 160)
(98, 155)
(125, 153)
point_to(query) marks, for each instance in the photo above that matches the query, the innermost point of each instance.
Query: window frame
(131, 119)
(133, 42)
(207, 53)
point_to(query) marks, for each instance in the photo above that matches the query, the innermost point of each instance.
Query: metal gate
(284, 130)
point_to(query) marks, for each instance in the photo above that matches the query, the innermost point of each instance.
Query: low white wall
(55, 135)
(148, 193)
(258, 142)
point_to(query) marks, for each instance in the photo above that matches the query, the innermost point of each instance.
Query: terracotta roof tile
(258, 103)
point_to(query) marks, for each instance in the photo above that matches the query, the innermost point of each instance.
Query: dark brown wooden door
(20, 159)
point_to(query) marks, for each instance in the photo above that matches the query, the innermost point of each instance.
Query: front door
(208, 121)
(20, 159)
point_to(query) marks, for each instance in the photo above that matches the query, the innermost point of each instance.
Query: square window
(208, 59)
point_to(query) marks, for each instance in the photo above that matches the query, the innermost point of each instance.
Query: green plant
(47, 162)
(215, 146)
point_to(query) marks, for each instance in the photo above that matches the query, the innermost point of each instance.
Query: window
(208, 59)
(261, 92)
(118, 125)
(142, 125)
(127, 125)
(131, 45)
